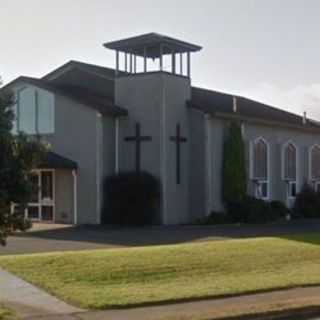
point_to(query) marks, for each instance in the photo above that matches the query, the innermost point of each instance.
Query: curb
(299, 313)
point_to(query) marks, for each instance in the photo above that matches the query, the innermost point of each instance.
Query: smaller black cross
(138, 139)
(178, 140)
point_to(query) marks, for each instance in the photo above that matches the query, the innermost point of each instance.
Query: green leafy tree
(19, 154)
(234, 167)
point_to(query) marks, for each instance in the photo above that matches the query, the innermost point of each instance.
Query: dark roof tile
(214, 102)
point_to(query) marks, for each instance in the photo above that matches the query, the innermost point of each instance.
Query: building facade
(146, 115)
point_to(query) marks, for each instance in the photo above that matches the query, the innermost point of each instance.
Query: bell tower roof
(152, 42)
(156, 47)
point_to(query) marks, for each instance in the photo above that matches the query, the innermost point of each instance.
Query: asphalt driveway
(50, 238)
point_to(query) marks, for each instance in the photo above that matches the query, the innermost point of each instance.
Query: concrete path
(280, 303)
(29, 301)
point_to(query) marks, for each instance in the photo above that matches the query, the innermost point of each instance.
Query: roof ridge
(83, 67)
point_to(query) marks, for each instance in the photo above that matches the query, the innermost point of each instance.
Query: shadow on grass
(310, 238)
(162, 235)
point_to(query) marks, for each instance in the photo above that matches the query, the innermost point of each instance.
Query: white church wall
(157, 101)
(198, 171)
(75, 138)
(277, 137)
(177, 93)
(141, 95)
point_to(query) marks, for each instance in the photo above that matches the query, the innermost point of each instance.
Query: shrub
(249, 210)
(307, 203)
(131, 198)
(234, 169)
(279, 210)
(216, 218)
(253, 210)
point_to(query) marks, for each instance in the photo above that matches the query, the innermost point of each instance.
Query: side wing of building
(74, 131)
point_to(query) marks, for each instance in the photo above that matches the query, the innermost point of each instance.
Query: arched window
(261, 168)
(290, 162)
(290, 168)
(260, 158)
(315, 163)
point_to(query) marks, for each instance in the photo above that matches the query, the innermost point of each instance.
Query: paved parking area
(50, 238)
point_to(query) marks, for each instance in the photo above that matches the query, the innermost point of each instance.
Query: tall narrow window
(45, 112)
(315, 166)
(260, 168)
(27, 112)
(290, 169)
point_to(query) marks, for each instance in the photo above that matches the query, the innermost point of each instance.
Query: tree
(234, 167)
(19, 154)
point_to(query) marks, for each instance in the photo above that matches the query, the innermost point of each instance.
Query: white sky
(264, 49)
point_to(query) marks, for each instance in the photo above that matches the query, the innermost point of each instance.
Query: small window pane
(47, 213)
(45, 112)
(33, 213)
(27, 111)
(293, 190)
(47, 184)
(264, 190)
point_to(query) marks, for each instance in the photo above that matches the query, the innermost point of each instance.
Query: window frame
(289, 182)
(258, 182)
(37, 93)
(315, 145)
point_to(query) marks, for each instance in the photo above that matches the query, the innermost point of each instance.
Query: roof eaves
(105, 110)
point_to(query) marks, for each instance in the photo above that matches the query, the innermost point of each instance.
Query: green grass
(137, 276)
(5, 314)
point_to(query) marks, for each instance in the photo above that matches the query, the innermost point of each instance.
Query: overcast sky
(265, 49)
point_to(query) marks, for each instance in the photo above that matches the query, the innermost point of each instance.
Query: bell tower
(153, 82)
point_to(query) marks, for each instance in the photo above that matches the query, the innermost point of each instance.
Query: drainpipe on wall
(208, 162)
(304, 120)
(99, 143)
(75, 197)
(235, 105)
(117, 145)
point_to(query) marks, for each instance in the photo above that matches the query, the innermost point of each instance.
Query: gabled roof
(108, 73)
(152, 42)
(218, 103)
(100, 103)
(208, 101)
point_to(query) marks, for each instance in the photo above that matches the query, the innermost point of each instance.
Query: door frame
(40, 202)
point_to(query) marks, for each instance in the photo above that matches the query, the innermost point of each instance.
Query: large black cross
(138, 139)
(178, 140)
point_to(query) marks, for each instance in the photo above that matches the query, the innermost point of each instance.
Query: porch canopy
(53, 160)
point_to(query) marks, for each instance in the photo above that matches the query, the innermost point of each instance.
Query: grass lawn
(5, 314)
(136, 276)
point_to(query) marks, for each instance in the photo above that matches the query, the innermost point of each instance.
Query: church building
(145, 115)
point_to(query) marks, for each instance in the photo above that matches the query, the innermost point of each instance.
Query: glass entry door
(41, 207)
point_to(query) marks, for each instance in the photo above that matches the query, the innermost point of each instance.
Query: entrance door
(41, 207)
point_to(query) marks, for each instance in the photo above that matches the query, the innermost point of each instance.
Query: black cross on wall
(138, 139)
(178, 140)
